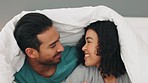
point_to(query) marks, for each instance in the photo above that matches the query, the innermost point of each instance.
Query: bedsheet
(70, 23)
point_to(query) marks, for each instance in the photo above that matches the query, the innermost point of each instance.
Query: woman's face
(90, 49)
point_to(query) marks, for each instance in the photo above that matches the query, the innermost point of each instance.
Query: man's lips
(58, 56)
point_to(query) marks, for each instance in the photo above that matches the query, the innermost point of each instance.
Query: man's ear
(31, 52)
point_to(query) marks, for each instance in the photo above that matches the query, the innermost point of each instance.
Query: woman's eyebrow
(89, 38)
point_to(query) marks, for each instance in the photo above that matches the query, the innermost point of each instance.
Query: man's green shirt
(64, 68)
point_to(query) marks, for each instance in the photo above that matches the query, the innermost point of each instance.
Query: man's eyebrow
(55, 41)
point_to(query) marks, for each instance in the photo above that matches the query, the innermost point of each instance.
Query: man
(39, 40)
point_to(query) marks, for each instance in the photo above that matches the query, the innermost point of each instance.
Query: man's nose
(60, 47)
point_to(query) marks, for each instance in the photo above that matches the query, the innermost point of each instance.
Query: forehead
(91, 33)
(49, 35)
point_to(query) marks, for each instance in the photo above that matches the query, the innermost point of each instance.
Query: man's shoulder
(70, 54)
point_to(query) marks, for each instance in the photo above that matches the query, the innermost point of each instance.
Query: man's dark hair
(27, 29)
(109, 48)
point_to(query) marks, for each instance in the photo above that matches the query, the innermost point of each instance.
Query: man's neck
(43, 70)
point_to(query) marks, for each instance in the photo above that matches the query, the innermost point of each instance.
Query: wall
(128, 8)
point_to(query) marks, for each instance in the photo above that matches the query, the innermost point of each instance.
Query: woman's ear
(97, 51)
(31, 52)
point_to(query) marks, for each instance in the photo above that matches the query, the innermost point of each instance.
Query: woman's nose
(84, 47)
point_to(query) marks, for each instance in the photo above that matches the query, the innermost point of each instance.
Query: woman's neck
(110, 79)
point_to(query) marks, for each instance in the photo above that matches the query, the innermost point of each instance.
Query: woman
(101, 56)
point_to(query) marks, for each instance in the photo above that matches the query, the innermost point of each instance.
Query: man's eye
(53, 45)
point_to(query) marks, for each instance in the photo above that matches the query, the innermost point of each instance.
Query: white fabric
(70, 23)
(140, 25)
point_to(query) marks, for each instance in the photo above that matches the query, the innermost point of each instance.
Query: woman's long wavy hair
(109, 48)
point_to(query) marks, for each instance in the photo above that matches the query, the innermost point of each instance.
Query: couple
(98, 50)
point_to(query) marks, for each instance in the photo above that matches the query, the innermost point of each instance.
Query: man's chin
(53, 63)
(58, 61)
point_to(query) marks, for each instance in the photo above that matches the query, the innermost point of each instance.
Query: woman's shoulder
(77, 76)
(80, 74)
(81, 68)
(124, 79)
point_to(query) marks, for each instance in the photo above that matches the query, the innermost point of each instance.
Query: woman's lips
(86, 56)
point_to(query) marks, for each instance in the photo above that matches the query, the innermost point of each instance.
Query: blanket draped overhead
(70, 23)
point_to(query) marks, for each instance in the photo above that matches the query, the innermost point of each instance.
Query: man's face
(50, 48)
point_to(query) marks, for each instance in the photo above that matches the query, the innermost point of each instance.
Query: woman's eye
(88, 41)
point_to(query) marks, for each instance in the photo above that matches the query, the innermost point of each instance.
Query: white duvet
(70, 23)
